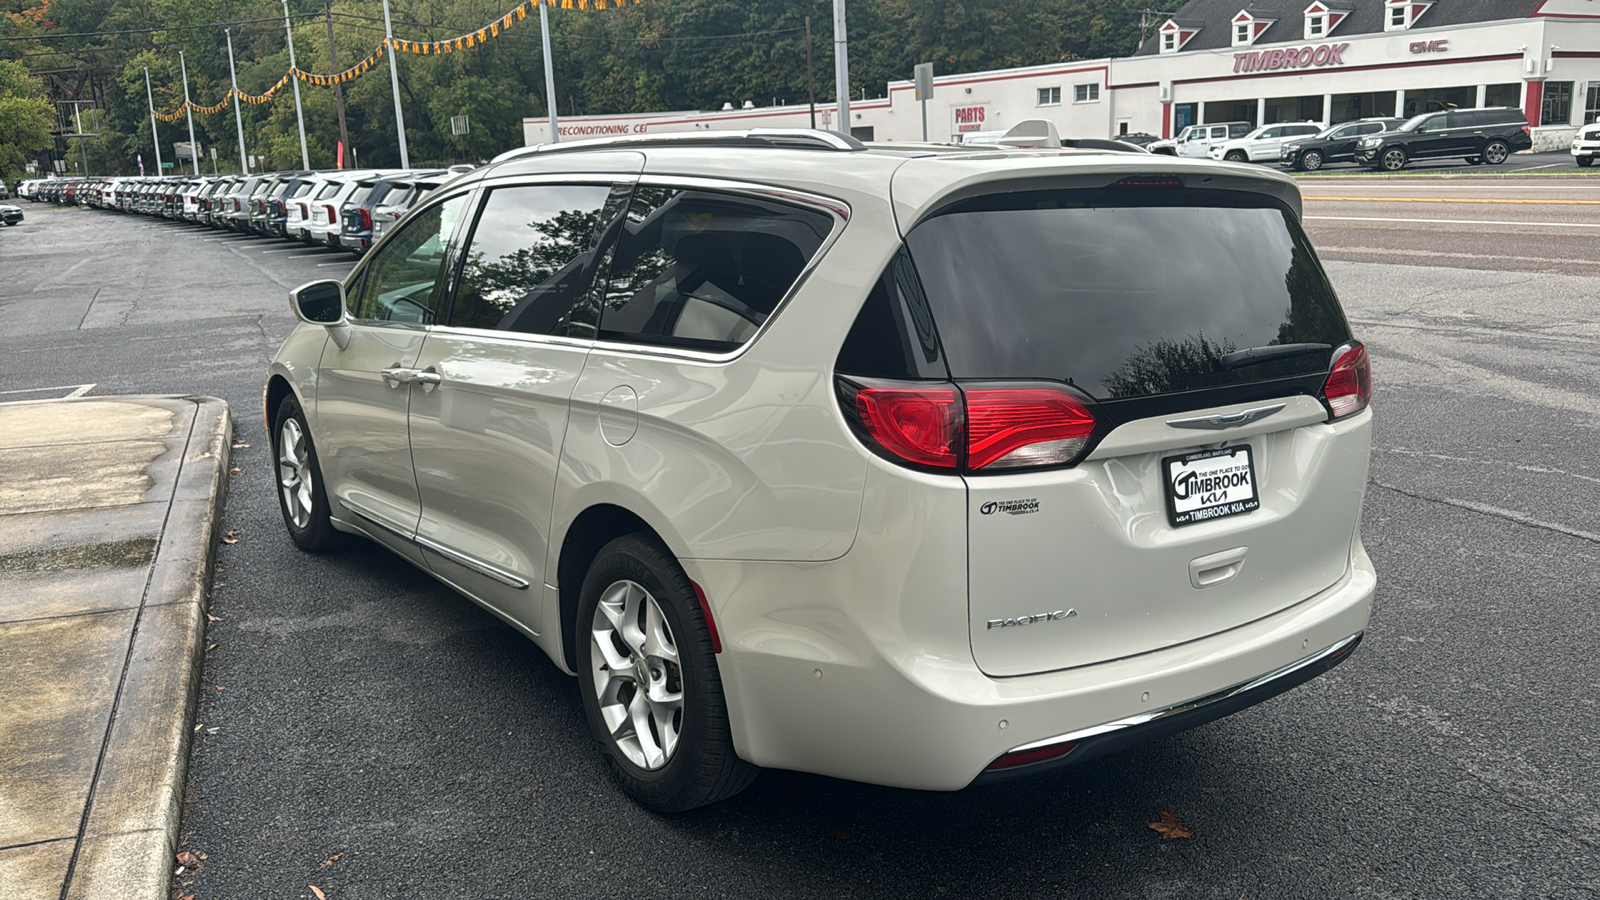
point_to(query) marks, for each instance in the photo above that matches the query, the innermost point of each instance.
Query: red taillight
(974, 427)
(919, 425)
(1029, 757)
(332, 216)
(1349, 386)
(711, 623)
(303, 212)
(366, 218)
(1018, 427)
(1150, 181)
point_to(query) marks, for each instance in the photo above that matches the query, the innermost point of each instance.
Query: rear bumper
(1112, 737)
(824, 694)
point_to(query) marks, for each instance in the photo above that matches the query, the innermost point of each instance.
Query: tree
(25, 117)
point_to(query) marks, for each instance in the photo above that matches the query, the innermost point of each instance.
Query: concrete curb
(131, 827)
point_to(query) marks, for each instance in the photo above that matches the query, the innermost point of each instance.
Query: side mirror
(322, 303)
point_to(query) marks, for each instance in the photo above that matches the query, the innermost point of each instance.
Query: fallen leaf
(232, 537)
(185, 897)
(211, 648)
(188, 859)
(201, 856)
(219, 687)
(235, 469)
(240, 446)
(1170, 827)
(211, 618)
(318, 891)
(329, 861)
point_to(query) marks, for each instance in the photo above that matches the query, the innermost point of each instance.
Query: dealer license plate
(1212, 484)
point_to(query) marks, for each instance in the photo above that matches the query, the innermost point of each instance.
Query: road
(366, 731)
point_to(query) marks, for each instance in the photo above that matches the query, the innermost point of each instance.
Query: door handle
(394, 376)
(429, 378)
(1208, 571)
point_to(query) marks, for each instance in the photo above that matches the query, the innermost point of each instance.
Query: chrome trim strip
(375, 520)
(1190, 705)
(476, 565)
(1231, 420)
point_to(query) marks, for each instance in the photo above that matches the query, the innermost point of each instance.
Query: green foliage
(25, 117)
(655, 55)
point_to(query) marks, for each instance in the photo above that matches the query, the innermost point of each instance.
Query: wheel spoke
(638, 681)
(657, 644)
(639, 714)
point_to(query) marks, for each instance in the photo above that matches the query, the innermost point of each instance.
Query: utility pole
(188, 112)
(549, 70)
(152, 98)
(338, 91)
(238, 117)
(811, 78)
(841, 67)
(394, 82)
(305, 158)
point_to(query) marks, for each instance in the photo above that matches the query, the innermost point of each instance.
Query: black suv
(1336, 144)
(1475, 135)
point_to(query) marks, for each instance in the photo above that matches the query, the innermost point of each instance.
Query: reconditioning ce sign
(1309, 57)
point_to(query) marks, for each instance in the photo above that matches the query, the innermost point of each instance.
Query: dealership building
(1234, 60)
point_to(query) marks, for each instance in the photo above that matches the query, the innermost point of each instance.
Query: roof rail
(787, 138)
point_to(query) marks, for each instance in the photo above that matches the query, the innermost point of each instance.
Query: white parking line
(308, 256)
(1454, 222)
(284, 250)
(344, 262)
(78, 390)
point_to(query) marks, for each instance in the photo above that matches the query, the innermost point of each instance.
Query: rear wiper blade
(1257, 355)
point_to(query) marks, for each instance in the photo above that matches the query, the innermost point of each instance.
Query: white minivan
(873, 461)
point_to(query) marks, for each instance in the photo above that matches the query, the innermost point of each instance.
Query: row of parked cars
(1480, 136)
(345, 208)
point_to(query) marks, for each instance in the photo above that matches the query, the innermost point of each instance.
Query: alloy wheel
(1495, 153)
(1312, 160)
(1394, 159)
(638, 678)
(294, 473)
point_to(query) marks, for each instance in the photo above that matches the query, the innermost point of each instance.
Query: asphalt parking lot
(364, 730)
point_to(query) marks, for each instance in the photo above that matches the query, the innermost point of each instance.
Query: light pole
(188, 112)
(152, 98)
(549, 71)
(238, 117)
(305, 158)
(841, 67)
(394, 82)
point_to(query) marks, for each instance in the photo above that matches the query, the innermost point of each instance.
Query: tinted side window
(893, 335)
(702, 269)
(405, 280)
(529, 259)
(1369, 128)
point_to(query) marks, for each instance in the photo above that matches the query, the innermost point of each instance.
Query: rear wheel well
(594, 528)
(277, 389)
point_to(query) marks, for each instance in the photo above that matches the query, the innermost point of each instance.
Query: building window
(1050, 96)
(1083, 93)
(1591, 108)
(1397, 17)
(1316, 26)
(1169, 42)
(1557, 103)
(1241, 34)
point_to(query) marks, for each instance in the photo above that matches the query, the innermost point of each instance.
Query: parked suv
(1336, 144)
(1201, 138)
(877, 464)
(1264, 144)
(1586, 145)
(1480, 136)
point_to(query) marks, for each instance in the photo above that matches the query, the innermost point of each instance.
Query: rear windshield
(1128, 293)
(328, 190)
(359, 195)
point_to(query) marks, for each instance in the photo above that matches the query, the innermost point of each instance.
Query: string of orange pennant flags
(422, 48)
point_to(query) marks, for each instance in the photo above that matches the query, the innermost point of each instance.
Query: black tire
(703, 767)
(1236, 156)
(1393, 159)
(1495, 153)
(1310, 161)
(313, 531)
(1585, 162)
